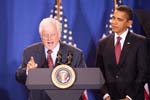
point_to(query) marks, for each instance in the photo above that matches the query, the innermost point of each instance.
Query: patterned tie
(49, 59)
(118, 49)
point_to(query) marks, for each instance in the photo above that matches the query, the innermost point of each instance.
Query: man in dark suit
(35, 56)
(122, 58)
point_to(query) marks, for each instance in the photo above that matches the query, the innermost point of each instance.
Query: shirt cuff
(128, 97)
(27, 72)
(106, 95)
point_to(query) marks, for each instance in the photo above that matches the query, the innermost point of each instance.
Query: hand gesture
(108, 98)
(31, 64)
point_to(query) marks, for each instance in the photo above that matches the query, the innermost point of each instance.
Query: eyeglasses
(47, 36)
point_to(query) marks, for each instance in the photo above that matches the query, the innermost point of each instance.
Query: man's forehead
(120, 14)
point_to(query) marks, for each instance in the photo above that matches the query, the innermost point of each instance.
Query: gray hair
(48, 21)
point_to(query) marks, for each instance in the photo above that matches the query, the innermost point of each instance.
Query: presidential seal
(63, 76)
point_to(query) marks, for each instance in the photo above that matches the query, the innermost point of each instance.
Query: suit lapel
(42, 57)
(126, 47)
(63, 51)
(112, 48)
(109, 51)
(109, 54)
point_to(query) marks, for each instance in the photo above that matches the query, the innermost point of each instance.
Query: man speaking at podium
(48, 54)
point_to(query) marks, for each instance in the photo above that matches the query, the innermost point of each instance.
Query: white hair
(47, 22)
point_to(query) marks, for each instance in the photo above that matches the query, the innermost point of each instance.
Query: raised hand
(31, 64)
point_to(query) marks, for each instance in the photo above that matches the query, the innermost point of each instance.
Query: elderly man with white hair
(36, 55)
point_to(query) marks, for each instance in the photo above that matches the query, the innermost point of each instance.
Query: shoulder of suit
(71, 47)
(138, 35)
(110, 36)
(34, 46)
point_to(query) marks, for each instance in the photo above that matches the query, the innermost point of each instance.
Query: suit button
(117, 76)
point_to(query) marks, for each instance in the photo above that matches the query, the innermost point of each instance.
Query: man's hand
(108, 98)
(31, 64)
(125, 98)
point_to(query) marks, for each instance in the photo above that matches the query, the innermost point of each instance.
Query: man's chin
(115, 31)
(49, 46)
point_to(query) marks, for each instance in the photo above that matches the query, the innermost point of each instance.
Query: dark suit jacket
(127, 77)
(38, 52)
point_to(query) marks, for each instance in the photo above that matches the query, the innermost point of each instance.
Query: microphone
(59, 58)
(69, 58)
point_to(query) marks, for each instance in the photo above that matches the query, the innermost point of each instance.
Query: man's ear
(130, 22)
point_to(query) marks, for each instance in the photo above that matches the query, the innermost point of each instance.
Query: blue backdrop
(19, 20)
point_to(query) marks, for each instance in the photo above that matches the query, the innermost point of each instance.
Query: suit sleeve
(21, 71)
(80, 61)
(100, 64)
(142, 71)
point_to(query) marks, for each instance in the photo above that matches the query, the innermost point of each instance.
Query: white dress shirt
(54, 52)
(123, 37)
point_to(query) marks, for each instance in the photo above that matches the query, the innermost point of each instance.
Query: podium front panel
(86, 78)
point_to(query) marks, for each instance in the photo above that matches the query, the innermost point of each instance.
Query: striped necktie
(49, 59)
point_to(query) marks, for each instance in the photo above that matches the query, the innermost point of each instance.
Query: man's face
(120, 22)
(50, 36)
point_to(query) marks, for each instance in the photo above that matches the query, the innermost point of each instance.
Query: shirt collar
(123, 35)
(55, 50)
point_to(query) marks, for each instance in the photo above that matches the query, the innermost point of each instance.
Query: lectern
(86, 78)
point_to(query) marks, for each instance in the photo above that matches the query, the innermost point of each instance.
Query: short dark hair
(127, 10)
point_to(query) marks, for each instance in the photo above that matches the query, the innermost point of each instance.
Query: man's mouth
(114, 26)
(50, 43)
